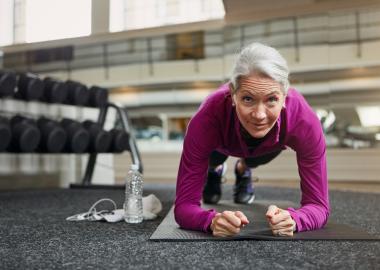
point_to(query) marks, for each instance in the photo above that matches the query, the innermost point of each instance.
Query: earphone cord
(93, 209)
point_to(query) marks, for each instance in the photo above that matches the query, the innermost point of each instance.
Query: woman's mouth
(259, 125)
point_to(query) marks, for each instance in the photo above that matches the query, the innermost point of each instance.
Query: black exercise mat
(257, 229)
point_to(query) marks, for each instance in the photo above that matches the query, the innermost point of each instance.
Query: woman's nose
(259, 114)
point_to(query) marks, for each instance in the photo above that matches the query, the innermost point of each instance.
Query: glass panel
(6, 22)
(57, 19)
(147, 128)
(177, 127)
(135, 14)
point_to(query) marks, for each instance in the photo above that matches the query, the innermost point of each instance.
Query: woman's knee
(216, 159)
(241, 165)
(257, 161)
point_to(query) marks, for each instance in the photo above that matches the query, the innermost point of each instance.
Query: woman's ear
(232, 93)
(231, 88)
(233, 99)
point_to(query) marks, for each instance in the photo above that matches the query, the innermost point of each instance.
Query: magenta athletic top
(215, 126)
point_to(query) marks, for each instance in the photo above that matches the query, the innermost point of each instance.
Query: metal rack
(135, 155)
(126, 126)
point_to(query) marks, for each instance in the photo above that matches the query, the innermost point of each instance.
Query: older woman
(255, 116)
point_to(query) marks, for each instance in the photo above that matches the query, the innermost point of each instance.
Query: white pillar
(100, 16)
(19, 35)
(165, 126)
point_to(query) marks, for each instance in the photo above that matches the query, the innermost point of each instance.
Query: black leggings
(217, 158)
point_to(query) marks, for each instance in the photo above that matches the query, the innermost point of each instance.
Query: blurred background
(159, 59)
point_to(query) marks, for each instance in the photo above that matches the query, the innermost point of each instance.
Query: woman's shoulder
(215, 108)
(219, 94)
(298, 112)
(303, 126)
(294, 97)
(295, 103)
(208, 120)
(216, 99)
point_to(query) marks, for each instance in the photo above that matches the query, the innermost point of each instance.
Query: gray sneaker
(244, 192)
(212, 191)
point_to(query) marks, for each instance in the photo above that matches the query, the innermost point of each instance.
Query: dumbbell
(78, 138)
(119, 142)
(8, 81)
(98, 97)
(30, 87)
(5, 133)
(53, 136)
(25, 135)
(77, 93)
(54, 91)
(100, 140)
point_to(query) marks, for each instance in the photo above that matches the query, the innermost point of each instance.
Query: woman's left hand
(280, 221)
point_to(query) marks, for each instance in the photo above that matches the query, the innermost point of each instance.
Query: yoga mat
(257, 229)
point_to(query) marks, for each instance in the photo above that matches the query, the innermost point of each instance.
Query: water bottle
(133, 211)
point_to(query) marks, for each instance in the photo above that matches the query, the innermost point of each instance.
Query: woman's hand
(280, 221)
(228, 223)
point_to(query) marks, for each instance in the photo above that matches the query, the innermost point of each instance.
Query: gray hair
(263, 59)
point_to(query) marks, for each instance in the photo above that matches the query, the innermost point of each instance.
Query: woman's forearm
(310, 216)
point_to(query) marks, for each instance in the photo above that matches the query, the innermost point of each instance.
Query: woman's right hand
(228, 223)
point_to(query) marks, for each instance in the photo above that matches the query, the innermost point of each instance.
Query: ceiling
(240, 11)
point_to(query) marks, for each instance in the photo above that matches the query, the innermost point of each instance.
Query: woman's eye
(273, 99)
(247, 99)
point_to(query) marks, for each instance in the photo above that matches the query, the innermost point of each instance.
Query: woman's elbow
(324, 210)
(325, 214)
(178, 215)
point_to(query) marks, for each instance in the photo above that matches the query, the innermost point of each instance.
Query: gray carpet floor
(35, 235)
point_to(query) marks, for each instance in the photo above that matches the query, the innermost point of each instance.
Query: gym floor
(355, 186)
(34, 234)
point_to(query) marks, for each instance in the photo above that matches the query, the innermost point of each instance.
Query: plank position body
(254, 116)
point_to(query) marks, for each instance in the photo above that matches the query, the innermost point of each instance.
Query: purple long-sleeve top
(215, 126)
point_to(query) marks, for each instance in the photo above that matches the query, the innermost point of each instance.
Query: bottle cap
(134, 167)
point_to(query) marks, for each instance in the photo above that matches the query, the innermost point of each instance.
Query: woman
(253, 117)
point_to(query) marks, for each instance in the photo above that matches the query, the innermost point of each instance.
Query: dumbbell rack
(30, 87)
(135, 155)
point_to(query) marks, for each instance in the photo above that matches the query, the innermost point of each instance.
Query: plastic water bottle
(133, 196)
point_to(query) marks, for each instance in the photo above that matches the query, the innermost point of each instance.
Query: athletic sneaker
(213, 187)
(244, 192)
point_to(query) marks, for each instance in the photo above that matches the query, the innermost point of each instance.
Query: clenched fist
(228, 223)
(280, 221)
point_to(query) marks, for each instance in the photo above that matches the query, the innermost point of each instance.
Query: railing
(290, 32)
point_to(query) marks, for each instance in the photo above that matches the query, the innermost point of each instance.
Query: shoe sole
(251, 200)
(207, 201)
(224, 171)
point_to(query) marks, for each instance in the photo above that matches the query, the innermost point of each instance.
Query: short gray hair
(259, 58)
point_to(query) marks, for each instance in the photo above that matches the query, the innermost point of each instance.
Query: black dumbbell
(119, 142)
(77, 93)
(98, 97)
(78, 138)
(5, 133)
(30, 87)
(54, 91)
(25, 135)
(53, 136)
(100, 140)
(8, 81)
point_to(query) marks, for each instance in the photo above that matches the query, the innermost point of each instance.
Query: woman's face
(258, 102)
